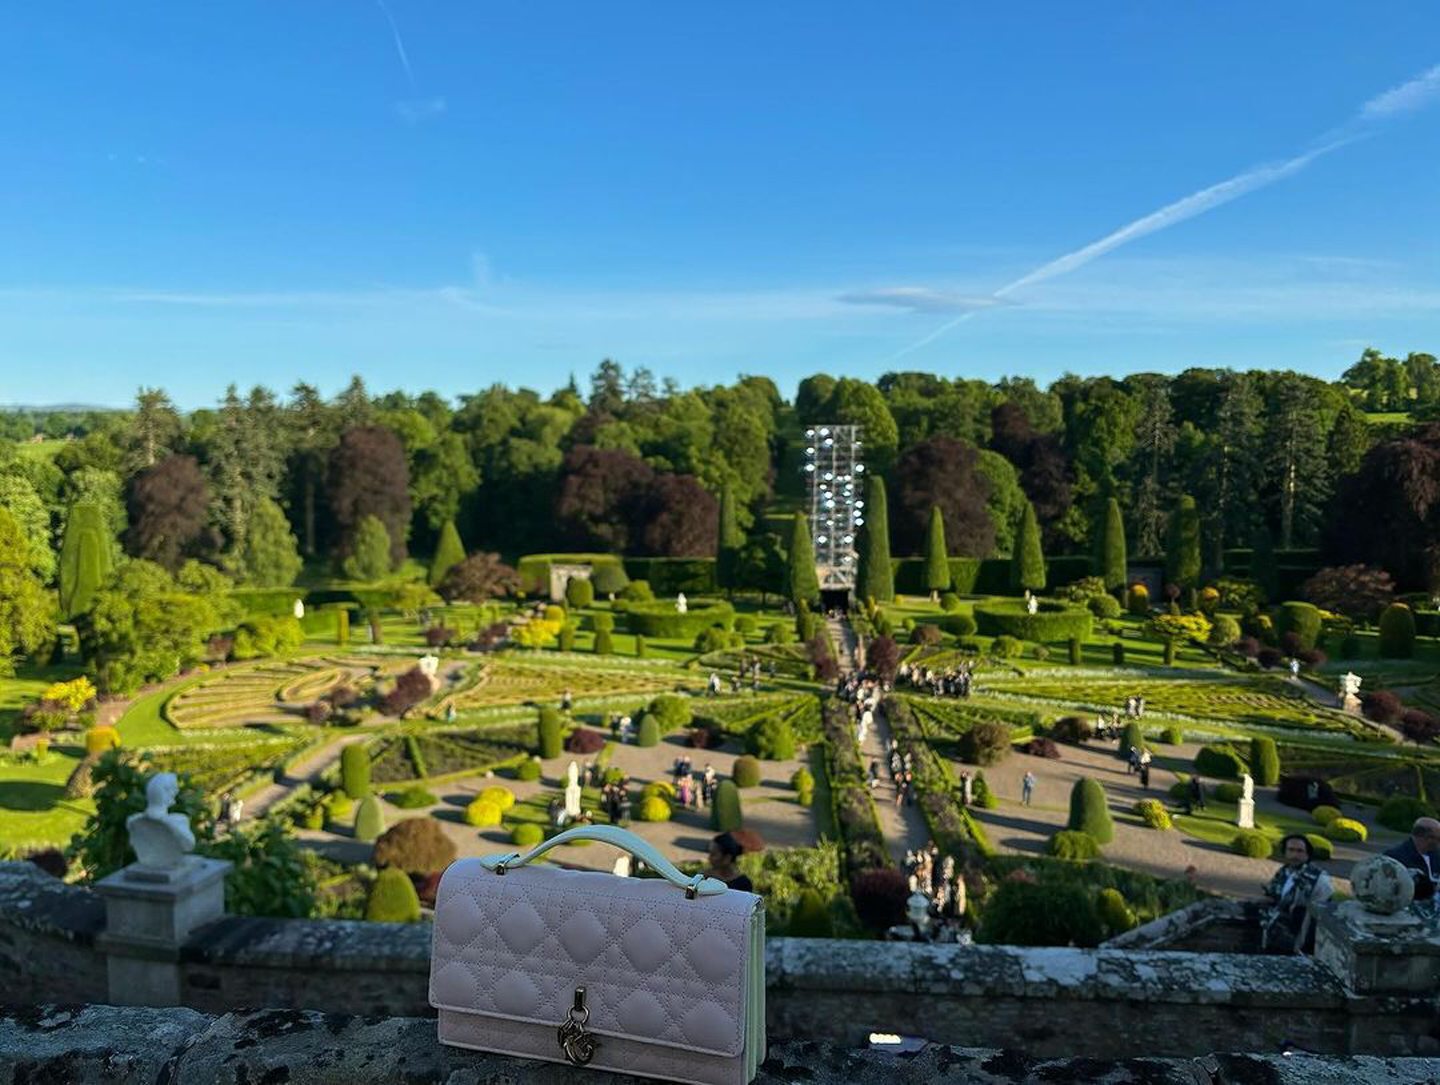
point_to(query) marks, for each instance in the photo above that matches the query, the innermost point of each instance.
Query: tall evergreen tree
(937, 557)
(1298, 474)
(801, 582)
(312, 433)
(877, 576)
(449, 552)
(370, 554)
(1113, 559)
(1182, 553)
(1155, 437)
(1232, 470)
(271, 557)
(1263, 568)
(1027, 565)
(84, 559)
(728, 543)
(154, 430)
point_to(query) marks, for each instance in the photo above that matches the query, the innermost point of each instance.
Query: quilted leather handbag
(661, 977)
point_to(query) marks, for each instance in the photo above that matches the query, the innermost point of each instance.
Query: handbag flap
(656, 966)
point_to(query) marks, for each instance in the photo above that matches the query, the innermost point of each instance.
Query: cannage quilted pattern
(657, 967)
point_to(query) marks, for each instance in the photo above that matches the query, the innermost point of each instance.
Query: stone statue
(1247, 786)
(430, 666)
(1032, 605)
(161, 839)
(1245, 808)
(299, 609)
(1350, 684)
(681, 606)
(572, 792)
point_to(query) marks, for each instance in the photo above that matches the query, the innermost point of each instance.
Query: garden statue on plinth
(1032, 605)
(1245, 811)
(299, 609)
(161, 839)
(572, 792)
(680, 604)
(1350, 692)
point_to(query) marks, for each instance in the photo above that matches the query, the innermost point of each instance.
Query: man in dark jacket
(1419, 856)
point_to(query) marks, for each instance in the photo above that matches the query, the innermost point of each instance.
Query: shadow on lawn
(29, 795)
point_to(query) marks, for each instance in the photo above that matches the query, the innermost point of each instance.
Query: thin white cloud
(1408, 96)
(1411, 95)
(921, 299)
(415, 110)
(399, 45)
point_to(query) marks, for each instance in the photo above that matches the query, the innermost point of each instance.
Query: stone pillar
(1376, 954)
(1245, 814)
(149, 916)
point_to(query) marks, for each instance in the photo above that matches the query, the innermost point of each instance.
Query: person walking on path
(1027, 788)
(1197, 794)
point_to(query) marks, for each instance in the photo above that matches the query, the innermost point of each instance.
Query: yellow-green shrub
(1324, 815)
(482, 813)
(100, 739)
(654, 808)
(1346, 831)
(502, 797)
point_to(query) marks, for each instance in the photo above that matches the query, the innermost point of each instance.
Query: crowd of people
(954, 682)
(935, 911)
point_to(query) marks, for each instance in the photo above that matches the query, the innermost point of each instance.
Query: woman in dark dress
(724, 851)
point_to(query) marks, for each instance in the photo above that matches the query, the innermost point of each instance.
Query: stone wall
(1106, 1003)
(83, 1045)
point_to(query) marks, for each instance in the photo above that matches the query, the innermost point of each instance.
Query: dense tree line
(261, 482)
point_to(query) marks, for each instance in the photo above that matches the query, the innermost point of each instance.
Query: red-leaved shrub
(584, 740)
(880, 897)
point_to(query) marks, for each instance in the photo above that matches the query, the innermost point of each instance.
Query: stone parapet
(88, 1045)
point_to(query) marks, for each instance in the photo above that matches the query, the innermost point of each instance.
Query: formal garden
(1073, 731)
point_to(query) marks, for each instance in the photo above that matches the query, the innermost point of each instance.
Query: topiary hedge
(725, 814)
(1053, 621)
(660, 618)
(746, 772)
(355, 770)
(772, 739)
(416, 846)
(1264, 761)
(1115, 913)
(526, 835)
(393, 899)
(1229, 791)
(1400, 811)
(369, 820)
(1397, 632)
(549, 730)
(1073, 845)
(1024, 913)
(654, 808)
(1089, 812)
(672, 711)
(1322, 848)
(1324, 814)
(1346, 830)
(1251, 843)
(803, 781)
(412, 798)
(482, 813)
(648, 733)
(1153, 813)
(1219, 761)
(986, 743)
(810, 918)
(529, 769)
(1302, 619)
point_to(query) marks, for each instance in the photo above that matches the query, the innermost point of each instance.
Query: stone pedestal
(1245, 814)
(1379, 954)
(149, 916)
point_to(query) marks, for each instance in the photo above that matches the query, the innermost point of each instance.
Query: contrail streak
(399, 45)
(1407, 97)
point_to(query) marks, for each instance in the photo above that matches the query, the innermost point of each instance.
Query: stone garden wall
(1105, 1003)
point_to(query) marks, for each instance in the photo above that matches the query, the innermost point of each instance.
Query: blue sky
(451, 194)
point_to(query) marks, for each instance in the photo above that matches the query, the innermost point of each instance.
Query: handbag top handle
(696, 886)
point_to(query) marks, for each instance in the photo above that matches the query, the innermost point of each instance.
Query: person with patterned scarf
(1287, 924)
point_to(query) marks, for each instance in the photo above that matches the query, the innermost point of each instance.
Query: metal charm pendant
(577, 1044)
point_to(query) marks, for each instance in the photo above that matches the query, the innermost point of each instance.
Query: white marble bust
(161, 839)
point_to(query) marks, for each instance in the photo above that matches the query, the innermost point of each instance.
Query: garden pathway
(1026, 829)
(904, 826)
(304, 771)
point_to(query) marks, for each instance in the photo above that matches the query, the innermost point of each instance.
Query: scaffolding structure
(837, 510)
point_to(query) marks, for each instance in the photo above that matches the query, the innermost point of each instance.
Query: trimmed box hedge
(661, 619)
(1051, 622)
(534, 569)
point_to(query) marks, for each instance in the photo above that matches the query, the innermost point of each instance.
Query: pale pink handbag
(661, 977)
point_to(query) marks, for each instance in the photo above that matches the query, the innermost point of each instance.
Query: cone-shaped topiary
(1302, 619)
(1027, 564)
(550, 725)
(1112, 547)
(604, 643)
(369, 820)
(877, 576)
(937, 556)
(1076, 654)
(725, 811)
(801, 582)
(639, 646)
(355, 770)
(1264, 761)
(810, 918)
(728, 542)
(1397, 632)
(648, 733)
(1182, 550)
(746, 772)
(1089, 812)
(1134, 738)
(393, 898)
(579, 592)
(449, 552)
(84, 559)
